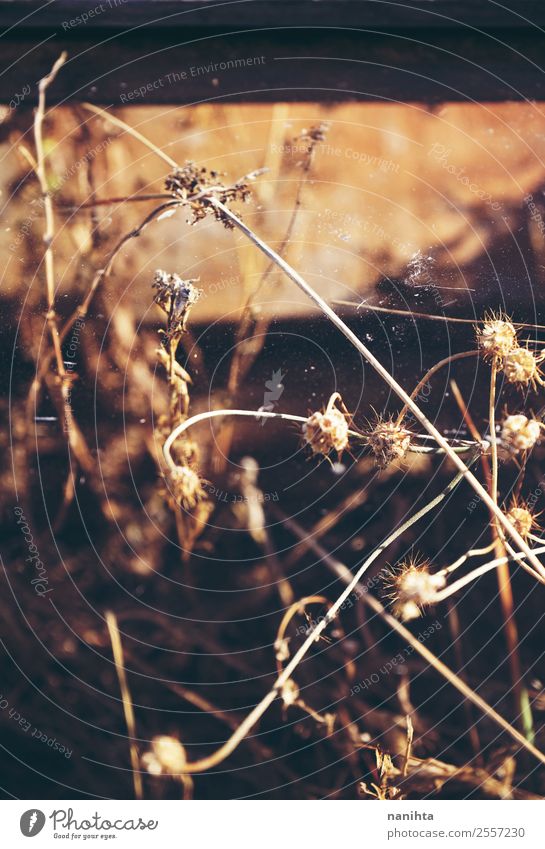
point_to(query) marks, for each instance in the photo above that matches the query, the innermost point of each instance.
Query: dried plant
(512, 535)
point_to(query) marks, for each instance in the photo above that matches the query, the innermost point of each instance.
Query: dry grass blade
(128, 710)
(103, 113)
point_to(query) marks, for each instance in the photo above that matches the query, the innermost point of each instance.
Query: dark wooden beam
(383, 14)
(328, 50)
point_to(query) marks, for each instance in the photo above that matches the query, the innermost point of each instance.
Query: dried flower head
(176, 297)
(310, 139)
(328, 431)
(522, 366)
(519, 433)
(186, 487)
(316, 133)
(497, 337)
(166, 757)
(414, 587)
(193, 185)
(522, 518)
(388, 441)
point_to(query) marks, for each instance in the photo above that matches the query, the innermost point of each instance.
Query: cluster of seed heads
(414, 587)
(388, 440)
(328, 431)
(519, 434)
(166, 757)
(498, 343)
(194, 185)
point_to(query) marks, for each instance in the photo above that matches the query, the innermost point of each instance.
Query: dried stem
(441, 595)
(103, 113)
(128, 710)
(425, 315)
(504, 579)
(429, 374)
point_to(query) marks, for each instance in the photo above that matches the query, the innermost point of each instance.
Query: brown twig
(128, 710)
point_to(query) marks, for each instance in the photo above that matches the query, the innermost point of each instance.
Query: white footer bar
(273, 824)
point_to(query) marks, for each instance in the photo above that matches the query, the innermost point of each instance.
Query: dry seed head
(166, 757)
(326, 432)
(193, 184)
(497, 337)
(522, 518)
(522, 366)
(186, 487)
(388, 441)
(414, 587)
(519, 433)
(176, 297)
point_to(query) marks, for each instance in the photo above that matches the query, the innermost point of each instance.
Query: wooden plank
(389, 14)
(272, 65)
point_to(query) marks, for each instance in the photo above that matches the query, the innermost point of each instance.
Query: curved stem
(210, 414)
(265, 414)
(297, 607)
(482, 570)
(426, 315)
(429, 374)
(474, 552)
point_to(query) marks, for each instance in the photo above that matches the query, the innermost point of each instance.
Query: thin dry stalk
(457, 645)
(441, 595)
(505, 589)
(430, 373)
(128, 710)
(103, 113)
(425, 315)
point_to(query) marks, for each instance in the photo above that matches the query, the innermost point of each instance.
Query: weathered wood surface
(192, 51)
(388, 14)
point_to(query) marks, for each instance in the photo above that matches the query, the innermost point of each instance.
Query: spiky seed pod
(521, 519)
(496, 338)
(522, 366)
(519, 433)
(388, 441)
(186, 487)
(166, 757)
(414, 587)
(326, 432)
